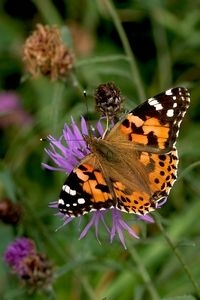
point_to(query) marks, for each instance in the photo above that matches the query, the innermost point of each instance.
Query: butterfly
(133, 166)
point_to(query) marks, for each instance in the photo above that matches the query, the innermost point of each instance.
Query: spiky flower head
(32, 267)
(108, 100)
(44, 53)
(67, 152)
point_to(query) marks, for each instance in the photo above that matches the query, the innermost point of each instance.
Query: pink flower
(11, 110)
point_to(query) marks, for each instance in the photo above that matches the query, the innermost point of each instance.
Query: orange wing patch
(137, 202)
(149, 132)
(164, 173)
(93, 183)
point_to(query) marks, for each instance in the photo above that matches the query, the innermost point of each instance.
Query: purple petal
(88, 226)
(94, 221)
(100, 128)
(67, 151)
(53, 204)
(77, 133)
(117, 226)
(146, 218)
(51, 168)
(84, 127)
(161, 203)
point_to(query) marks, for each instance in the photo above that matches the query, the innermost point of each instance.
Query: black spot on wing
(152, 139)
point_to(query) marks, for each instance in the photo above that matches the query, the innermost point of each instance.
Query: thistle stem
(144, 274)
(56, 105)
(127, 48)
(179, 257)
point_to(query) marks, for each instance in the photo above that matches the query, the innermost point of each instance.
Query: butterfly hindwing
(85, 190)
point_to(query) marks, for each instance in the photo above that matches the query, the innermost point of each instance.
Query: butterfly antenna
(87, 111)
(86, 101)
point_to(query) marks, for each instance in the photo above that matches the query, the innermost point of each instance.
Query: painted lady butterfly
(134, 166)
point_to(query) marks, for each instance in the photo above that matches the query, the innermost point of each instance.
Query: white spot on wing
(60, 201)
(153, 102)
(170, 113)
(168, 92)
(67, 190)
(81, 201)
(72, 192)
(158, 106)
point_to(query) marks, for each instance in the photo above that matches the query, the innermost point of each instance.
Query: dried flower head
(33, 268)
(44, 53)
(10, 212)
(37, 271)
(108, 100)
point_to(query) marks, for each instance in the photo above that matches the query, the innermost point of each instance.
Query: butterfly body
(134, 166)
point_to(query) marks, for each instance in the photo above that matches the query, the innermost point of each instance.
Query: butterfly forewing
(155, 123)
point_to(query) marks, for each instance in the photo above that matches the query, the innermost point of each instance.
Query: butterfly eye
(105, 152)
(109, 155)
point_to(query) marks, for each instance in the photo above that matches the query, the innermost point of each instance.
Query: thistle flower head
(67, 152)
(17, 251)
(32, 267)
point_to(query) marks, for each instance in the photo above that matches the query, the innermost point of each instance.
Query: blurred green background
(144, 47)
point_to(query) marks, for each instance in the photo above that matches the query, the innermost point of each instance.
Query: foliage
(144, 47)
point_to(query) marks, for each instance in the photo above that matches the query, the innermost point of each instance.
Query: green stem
(48, 11)
(99, 60)
(144, 274)
(188, 169)
(56, 105)
(87, 287)
(127, 48)
(179, 256)
(163, 55)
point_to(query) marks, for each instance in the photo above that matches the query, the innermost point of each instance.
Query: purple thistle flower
(12, 111)
(30, 266)
(17, 251)
(66, 152)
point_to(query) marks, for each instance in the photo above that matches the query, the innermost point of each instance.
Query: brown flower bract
(44, 53)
